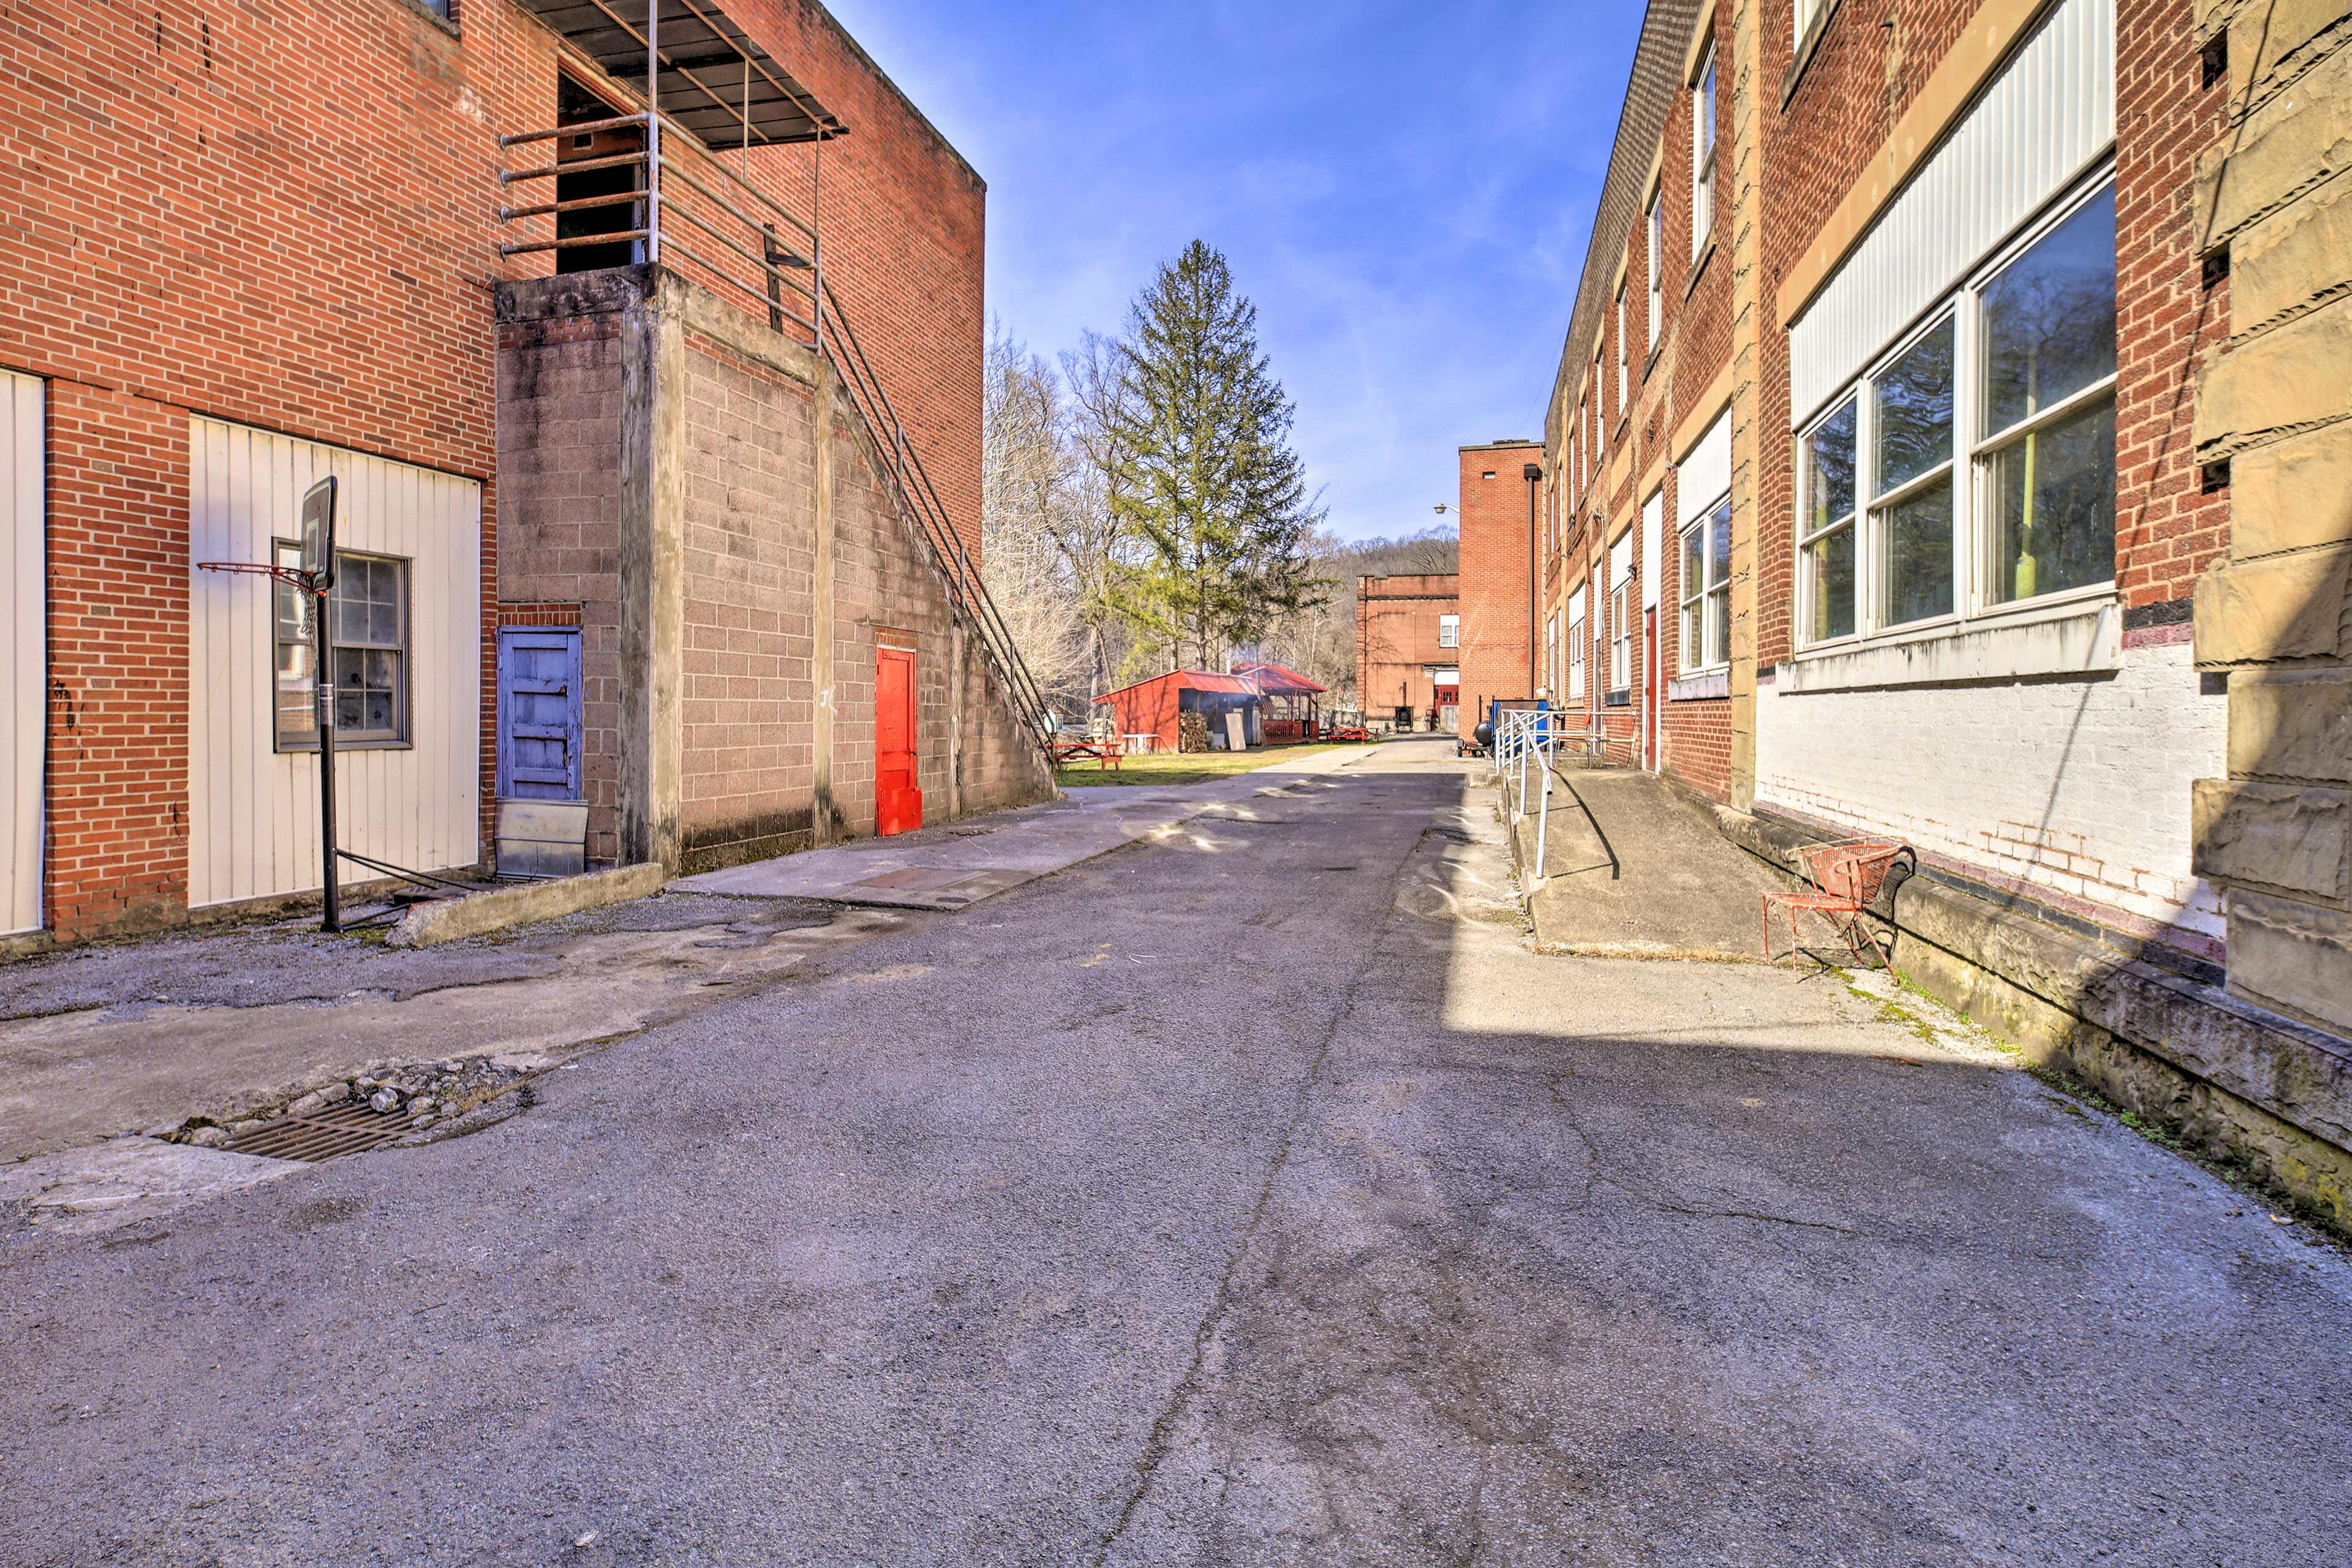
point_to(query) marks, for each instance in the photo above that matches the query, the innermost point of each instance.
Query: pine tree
(1208, 483)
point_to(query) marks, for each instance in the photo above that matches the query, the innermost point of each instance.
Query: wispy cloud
(1403, 189)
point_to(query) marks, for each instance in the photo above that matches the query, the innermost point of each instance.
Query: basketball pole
(328, 856)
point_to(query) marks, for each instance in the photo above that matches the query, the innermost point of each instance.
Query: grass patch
(1182, 767)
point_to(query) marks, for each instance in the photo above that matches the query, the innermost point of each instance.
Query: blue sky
(1403, 190)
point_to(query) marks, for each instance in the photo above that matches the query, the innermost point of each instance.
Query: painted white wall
(2080, 786)
(24, 641)
(254, 812)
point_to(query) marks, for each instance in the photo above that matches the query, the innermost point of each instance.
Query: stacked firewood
(1191, 733)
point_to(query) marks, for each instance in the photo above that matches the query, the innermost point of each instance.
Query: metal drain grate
(324, 1135)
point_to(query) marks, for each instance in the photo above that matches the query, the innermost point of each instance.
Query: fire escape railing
(705, 221)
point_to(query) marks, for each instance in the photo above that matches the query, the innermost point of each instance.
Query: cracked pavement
(1252, 1194)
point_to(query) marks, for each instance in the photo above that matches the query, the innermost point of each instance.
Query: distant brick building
(1501, 657)
(1408, 647)
(245, 251)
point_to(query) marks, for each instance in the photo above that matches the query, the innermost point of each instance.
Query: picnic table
(1077, 748)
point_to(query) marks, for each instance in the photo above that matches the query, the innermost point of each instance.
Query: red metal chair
(1848, 877)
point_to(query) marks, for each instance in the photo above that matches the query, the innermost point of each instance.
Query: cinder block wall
(2274, 206)
(765, 484)
(559, 519)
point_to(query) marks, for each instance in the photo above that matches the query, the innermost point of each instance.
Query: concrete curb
(447, 919)
(2229, 1080)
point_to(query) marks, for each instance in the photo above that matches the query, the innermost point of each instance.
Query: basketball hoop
(314, 579)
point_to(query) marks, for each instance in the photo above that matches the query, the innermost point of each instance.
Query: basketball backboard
(318, 534)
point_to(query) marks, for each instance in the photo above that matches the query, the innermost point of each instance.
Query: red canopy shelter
(1292, 711)
(1154, 706)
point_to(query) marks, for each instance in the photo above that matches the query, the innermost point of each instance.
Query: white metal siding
(24, 636)
(1653, 520)
(1706, 472)
(2045, 119)
(254, 812)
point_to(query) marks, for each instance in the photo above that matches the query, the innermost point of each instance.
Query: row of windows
(1587, 435)
(1971, 470)
(1974, 467)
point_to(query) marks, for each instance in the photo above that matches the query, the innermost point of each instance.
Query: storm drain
(325, 1134)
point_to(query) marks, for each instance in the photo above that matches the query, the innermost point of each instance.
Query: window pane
(1693, 562)
(1718, 568)
(2049, 316)
(383, 623)
(1718, 624)
(1914, 548)
(1829, 586)
(1829, 469)
(1693, 650)
(1912, 401)
(2050, 502)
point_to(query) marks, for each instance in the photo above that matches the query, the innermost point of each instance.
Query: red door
(898, 803)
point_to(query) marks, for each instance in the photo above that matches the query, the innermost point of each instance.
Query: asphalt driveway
(1249, 1195)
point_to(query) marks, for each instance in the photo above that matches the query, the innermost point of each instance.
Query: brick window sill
(446, 24)
(1804, 51)
(1705, 686)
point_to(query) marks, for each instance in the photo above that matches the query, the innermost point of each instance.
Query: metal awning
(714, 76)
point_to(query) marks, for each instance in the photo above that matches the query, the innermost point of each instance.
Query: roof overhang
(716, 80)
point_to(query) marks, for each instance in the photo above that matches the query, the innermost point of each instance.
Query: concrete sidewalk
(961, 862)
(1634, 868)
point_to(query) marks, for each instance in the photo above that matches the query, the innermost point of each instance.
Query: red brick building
(248, 252)
(1408, 647)
(1501, 656)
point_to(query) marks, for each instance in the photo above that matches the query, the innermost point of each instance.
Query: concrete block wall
(748, 770)
(2275, 619)
(669, 452)
(558, 522)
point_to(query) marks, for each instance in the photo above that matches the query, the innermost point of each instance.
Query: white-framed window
(1703, 151)
(1656, 263)
(1576, 640)
(1805, 12)
(1620, 613)
(1449, 631)
(1973, 467)
(1551, 656)
(1705, 590)
(367, 630)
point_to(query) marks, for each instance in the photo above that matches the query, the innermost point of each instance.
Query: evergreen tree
(1208, 485)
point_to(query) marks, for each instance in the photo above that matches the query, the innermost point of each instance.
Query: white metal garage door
(412, 800)
(24, 639)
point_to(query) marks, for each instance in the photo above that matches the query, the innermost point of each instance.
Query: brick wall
(289, 220)
(1493, 575)
(904, 220)
(1397, 637)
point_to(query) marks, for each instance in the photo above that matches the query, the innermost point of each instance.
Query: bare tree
(1028, 480)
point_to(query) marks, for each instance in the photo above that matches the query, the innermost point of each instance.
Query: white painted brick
(2081, 787)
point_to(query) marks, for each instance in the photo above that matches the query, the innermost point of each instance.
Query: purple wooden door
(538, 714)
